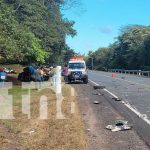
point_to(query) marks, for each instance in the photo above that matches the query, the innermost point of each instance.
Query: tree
(130, 51)
(35, 30)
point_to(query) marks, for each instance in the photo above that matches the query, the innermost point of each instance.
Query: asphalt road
(97, 116)
(133, 90)
(135, 94)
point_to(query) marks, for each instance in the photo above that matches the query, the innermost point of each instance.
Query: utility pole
(91, 62)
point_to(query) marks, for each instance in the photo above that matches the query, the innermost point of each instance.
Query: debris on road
(88, 129)
(98, 87)
(117, 98)
(96, 102)
(119, 125)
(97, 94)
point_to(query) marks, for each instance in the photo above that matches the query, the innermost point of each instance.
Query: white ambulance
(77, 70)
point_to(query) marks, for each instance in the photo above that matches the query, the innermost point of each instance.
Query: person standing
(41, 73)
(65, 72)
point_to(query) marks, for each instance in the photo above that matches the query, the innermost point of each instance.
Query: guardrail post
(139, 72)
(59, 114)
(58, 79)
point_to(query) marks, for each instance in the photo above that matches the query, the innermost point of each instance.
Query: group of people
(40, 74)
(45, 72)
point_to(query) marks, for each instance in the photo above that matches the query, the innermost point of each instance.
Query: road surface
(135, 94)
(134, 90)
(97, 116)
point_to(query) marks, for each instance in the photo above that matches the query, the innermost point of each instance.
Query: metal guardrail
(133, 72)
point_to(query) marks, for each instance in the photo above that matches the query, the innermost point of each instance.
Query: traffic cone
(113, 75)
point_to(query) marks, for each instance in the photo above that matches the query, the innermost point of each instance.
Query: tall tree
(130, 51)
(36, 30)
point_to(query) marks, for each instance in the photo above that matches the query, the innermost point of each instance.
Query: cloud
(106, 30)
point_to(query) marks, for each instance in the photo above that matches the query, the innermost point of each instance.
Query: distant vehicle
(9, 71)
(3, 75)
(77, 70)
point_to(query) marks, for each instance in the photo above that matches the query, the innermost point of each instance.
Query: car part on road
(117, 98)
(119, 125)
(96, 102)
(88, 130)
(98, 87)
(97, 94)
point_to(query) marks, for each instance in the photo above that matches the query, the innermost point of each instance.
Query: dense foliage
(130, 51)
(33, 31)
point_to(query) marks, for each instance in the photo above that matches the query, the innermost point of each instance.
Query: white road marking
(111, 93)
(94, 82)
(142, 116)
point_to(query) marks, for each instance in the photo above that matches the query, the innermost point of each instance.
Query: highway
(133, 90)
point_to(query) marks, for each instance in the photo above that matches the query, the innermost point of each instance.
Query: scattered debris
(123, 102)
(97, 94)
(119, 125)
(88, 129)
(98, 87)
(117, 98)
(96, 102)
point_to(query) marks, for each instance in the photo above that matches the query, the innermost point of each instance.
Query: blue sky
(98, 22)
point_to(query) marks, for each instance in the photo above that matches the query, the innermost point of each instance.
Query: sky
(98, 22)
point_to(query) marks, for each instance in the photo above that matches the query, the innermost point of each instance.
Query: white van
(77, 70)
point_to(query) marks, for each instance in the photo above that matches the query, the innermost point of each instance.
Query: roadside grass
(48, 134)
